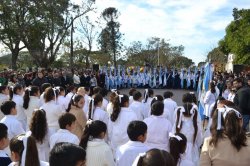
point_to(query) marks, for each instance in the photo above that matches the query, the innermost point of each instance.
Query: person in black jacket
(242, 101)
(39, 80)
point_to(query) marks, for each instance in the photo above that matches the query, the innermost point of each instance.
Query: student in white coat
(111, 101)
(24, 151)
(39, 130)
(97, 150)
(131, 92)
(31, 102)
(71, 92)
(187, 123)
(95, 111)
(61, 99)
(148, 97)
(127, 153)
(138, 107)
(43, 88)
(103, 92)
(119, 120)
(16, 95)
(178, 144)
(4, 96)
(158, 128)
(169, 106)
(53, 111)
(64, 134)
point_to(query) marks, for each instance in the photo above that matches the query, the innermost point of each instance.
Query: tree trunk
(14, 59)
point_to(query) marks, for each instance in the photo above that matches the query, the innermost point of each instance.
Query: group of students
(76, 129)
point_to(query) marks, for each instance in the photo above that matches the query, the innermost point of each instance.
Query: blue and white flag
(165, 78)
(188, 78)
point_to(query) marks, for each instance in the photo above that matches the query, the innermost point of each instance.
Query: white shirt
(42, 100)
(63, 102)
(139, 110)
(63, 135)
(158, 132)
(42, 163)
(117, 131)
(127, 153)
(147, 106)
(110, 108)
(76, 79)
(87, 99)
(131, 100)
(98, 153)
(169, 108)
(34, 103)
(104, 104)
(14, 126)
(19, 107)
(68, 97)
(53, 112)
(209, 99)
(3, 98)
(100, 114)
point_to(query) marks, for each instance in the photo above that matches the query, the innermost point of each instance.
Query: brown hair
(50, 94)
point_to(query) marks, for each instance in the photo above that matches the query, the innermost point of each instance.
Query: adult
(40, 79)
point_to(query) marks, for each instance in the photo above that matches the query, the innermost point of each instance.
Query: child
(4, 96)
(178, 144)
(111, 101)
(31, 102)
(61, 99)
(43, 88)
(137, 106)
(71, 92)
(148, 97)
(157, 138)
(53, 111)
(119, 120)
(4, 142)
(14, 126)
(169, 106)
(95, 111)
(67, 154)
(98, 151)
(75, 107)
(84, 91)
(154, 157)
(137, 133)
(16, 95)
(39, 130)
(131, 92)
(24, 152)
(64, 134)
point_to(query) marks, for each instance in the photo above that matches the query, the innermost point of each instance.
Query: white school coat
(99, 153)
(63, 135)
(3, 98)
(131, 100)
(42, 163)
(104, 104)
(209, 99)
(53, 112)
(169, 109)
(21, 117)
(158, 132)
(100, 114)
(117, 131)
(87, 99)
(139, 110)
(63, 102)
(34, 103)
(147, 106)
(127, 153)
(110, 108)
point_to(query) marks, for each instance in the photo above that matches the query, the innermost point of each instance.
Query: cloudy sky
(196, 24)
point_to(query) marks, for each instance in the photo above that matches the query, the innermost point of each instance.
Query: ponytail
(116, 109)
(32, 157)
(93, 103)
(145, 95)
(73, 101)
(29, 91)
(13, 90)
(85, 137)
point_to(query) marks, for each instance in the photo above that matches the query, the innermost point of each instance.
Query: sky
(198, 25)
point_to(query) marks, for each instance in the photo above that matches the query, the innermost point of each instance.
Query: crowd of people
(56, 119)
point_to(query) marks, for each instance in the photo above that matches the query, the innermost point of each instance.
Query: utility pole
(71, 45)
(158, 53)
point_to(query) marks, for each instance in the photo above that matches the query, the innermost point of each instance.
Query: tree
(180, 61)
(9, 34)
(87, 29)
(237, 38)
(110, 36)
(216, 55)
(43, 25)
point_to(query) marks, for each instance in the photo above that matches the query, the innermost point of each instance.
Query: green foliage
(110, 36)
(237, 38)
(23, 60)
(216, 55)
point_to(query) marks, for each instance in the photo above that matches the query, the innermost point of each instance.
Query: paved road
(177, 93)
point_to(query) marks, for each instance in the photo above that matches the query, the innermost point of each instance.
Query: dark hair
(194, 99)
(135, 129)
(156, 98)
(103, 92)
(29, 92)
(212, 87)
(14, 90)
(112, 96)
(97, 98)
(177, 147)
(60, 89)
(239, 80)
(117, 106)
(3, 131)
(187, 98)
(32, 158)
(49, 94)
(66, 154)
(7, 106)
(97, 90)
(38, 125)
(149, 94)
(66, 119)
(168, 94)
(94, 129)
(44, 86)
(71, 88)
(74, 100)
(232, 129)
(187, 107)
(156, 157)
(2, 88)
(131, 91)
(86, 89)
(137, 95)
(157, 108)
